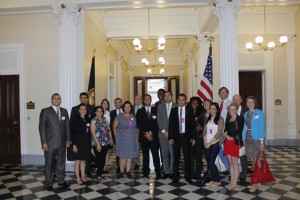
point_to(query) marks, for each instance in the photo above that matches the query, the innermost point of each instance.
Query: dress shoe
(175, 181)
(189, 181)
(128, 174)
(158, 177)
(49, 188)
(242, 180)
(145, 175)
(120, 175)
(166, 176)
(136, 167)
(64, 185)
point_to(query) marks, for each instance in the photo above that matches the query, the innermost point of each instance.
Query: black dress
(81, 137)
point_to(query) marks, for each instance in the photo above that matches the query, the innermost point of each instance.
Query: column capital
(120, 57)
(224, 8)
(67, 13)
(291, 38)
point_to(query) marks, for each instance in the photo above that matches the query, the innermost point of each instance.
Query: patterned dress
(102, 132)
(252, 146)
(127, 137)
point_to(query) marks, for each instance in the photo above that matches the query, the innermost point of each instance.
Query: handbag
(220, 165)
(242, 151)
(70, 153)
(262, 173)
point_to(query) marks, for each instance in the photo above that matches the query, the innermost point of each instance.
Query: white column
(226, 11)
(181, 71)
(269, 95)
(131, 89)
(190, 76)
(291, 67)
(68, 15)
(120, 77)
(202, 55)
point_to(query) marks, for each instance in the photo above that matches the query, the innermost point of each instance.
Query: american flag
(205, 88)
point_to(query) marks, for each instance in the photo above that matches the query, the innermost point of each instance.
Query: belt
(249, 129)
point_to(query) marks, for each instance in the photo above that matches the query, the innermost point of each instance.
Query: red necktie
(221, 107)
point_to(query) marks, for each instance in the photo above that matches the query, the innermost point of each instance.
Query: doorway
(10, 151)
(250, 83)
(150, 85)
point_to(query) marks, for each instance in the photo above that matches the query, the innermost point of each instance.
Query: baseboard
(29, 159)
(283, 142)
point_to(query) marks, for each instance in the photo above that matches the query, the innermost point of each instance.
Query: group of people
(195, 127)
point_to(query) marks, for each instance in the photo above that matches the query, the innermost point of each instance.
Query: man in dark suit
(84, 99)
(54, 131)
(182, 130)
(138, 103)
(148, 136)
(243, 175)
(163, 113)
(113, 114)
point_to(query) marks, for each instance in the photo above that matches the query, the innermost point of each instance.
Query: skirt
(231, 149)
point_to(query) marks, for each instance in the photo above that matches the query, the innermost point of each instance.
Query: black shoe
(189, 181)
(128, 174)
(175, 181)
(145, 175)
(120, 175)
(64, 185)
(242, 180)
(158, 177)
(49, 188)
(136, 167)
(166, 176)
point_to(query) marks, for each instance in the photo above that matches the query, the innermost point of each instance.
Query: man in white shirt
(224, 102)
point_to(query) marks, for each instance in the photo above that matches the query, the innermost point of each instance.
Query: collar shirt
(182, 119)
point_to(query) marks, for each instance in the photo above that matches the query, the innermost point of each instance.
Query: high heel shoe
(254, 187)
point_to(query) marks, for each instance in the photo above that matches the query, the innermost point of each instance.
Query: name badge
(63, 118)
(182, 120)
(210, 131)
(130, 124)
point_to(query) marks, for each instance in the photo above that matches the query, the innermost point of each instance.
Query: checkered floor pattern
(26, 182)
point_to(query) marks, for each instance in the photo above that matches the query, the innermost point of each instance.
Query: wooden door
(250, 83)
(9, 120)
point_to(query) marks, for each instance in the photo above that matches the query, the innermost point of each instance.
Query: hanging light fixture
(263, 46)
(153, 48)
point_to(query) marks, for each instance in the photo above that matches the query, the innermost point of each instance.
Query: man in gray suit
(163, 112)
(54, 131)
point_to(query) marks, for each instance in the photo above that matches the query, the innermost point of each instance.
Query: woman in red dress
(233, 141)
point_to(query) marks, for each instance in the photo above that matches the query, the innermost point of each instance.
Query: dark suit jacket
(90, 111)
(53, 131)
(145, 125)
(190, 125)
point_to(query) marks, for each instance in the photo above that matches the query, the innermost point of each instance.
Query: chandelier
(153, 48)
(263, 46)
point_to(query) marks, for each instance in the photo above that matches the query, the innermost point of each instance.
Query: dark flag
(91, 87)
(206, 83)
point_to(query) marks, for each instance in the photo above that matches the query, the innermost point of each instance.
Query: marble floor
(26, 182)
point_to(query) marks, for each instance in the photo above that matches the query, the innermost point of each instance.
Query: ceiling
(180, 21)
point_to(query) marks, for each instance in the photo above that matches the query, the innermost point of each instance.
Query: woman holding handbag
(233, 141)
(254, 133)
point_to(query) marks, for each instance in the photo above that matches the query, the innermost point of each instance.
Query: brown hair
(254, 98)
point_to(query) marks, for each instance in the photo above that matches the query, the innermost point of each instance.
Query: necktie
(168, 110)
(148, 113)
(119, 111)
(57, 112)
(221, 106)
(180, 121)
